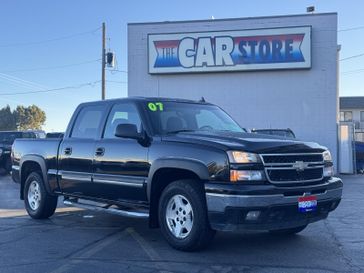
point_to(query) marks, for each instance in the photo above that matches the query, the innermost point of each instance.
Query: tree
(7, 119)
(31, 117)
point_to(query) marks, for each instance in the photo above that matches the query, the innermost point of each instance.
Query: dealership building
(266, 72)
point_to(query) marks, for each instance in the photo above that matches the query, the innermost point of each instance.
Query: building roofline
(231, 19)
(351, 102)
(343, 97)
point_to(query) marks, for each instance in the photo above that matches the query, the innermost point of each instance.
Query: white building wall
(304, 100)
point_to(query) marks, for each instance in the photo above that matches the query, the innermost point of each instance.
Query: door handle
(100, 151)
(68, 151)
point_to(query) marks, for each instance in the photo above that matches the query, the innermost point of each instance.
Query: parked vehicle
(54, 135)
(7, 139)
(185, 165)
(359, 148)
(275, 132)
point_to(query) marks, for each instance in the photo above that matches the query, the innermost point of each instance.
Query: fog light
(328, 171)
(252, 215)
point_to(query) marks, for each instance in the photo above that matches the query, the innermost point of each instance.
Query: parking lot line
(149, 250)
(80, 256)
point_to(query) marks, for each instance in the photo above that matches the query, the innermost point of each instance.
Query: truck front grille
(293, 168)
(279, 159)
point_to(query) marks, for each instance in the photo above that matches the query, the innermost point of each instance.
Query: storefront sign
(262, 49)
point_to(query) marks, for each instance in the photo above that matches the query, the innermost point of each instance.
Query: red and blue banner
(281, 48)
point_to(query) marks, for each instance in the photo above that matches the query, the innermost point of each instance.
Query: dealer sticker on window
(307, 203)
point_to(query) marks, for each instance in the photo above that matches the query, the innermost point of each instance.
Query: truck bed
(43, 148)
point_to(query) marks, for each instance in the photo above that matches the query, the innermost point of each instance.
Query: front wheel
(38, 202)
(288, 231)
(183, 216)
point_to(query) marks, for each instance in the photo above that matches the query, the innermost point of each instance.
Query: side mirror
(127, 130)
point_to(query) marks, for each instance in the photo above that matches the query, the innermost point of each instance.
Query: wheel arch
(29, 164)
(165, 171)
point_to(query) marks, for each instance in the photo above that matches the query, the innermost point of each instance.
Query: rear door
(120, 165)
(77, 151)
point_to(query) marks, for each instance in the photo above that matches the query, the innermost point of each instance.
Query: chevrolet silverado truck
(185, 165)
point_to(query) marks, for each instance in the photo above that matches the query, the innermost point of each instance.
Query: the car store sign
(259, 49)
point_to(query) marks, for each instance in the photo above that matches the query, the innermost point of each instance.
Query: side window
(88, 122)
(124, 113)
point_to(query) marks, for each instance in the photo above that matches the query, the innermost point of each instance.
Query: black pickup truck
(185, 165)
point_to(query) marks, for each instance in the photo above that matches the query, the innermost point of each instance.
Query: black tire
(8, 165)
(47, 204)
(200, 235)
(288, 231)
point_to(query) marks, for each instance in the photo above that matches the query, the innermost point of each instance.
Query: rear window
(9, 137)
(88, 122)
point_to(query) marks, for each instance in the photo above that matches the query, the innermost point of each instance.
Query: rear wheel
(288, 231)
(183, 216)
(38, 202)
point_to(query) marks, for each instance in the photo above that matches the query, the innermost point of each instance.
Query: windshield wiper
(180, 131)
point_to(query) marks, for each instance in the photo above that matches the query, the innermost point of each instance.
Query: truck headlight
(327, 155)
(246, 175)
(329, 168)
(243, 157)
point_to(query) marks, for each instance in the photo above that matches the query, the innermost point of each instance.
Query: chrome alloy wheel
(34, 195)
(179, 216)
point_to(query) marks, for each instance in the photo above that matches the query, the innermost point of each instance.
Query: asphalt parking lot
(84, 241)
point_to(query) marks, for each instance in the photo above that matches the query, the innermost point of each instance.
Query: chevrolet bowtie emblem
(300, 166)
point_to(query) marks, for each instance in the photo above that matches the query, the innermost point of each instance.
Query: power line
(51, 40)
(50, 67)
(352, 57)
(350, 29)
(118, 82)
(21, 82)
(53, 89)
(116, 70)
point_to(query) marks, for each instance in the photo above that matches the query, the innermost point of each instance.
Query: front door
(76, 152)
(120, 165)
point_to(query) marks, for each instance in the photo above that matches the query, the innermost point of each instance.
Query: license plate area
(307, 203)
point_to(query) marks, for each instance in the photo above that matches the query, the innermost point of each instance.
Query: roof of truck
(149, 99)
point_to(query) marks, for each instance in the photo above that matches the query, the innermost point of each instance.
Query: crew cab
(185, 165)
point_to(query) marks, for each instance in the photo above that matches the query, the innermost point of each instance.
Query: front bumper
(228, 205)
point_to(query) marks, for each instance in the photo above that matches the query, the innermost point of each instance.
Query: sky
(56, 45)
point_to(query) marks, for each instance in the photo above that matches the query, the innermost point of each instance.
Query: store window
(346, 116)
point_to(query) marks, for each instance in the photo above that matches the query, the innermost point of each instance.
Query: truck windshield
(173, 117)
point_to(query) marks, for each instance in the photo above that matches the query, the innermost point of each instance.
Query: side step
(108, 209)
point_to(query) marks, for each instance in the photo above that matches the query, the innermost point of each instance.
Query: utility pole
(103, 62)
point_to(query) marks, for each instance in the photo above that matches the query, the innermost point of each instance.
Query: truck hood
(255, 143)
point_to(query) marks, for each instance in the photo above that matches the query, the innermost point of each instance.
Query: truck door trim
(75, 176)
(122, 180)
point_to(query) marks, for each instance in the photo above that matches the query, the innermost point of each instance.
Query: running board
(126, 213)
